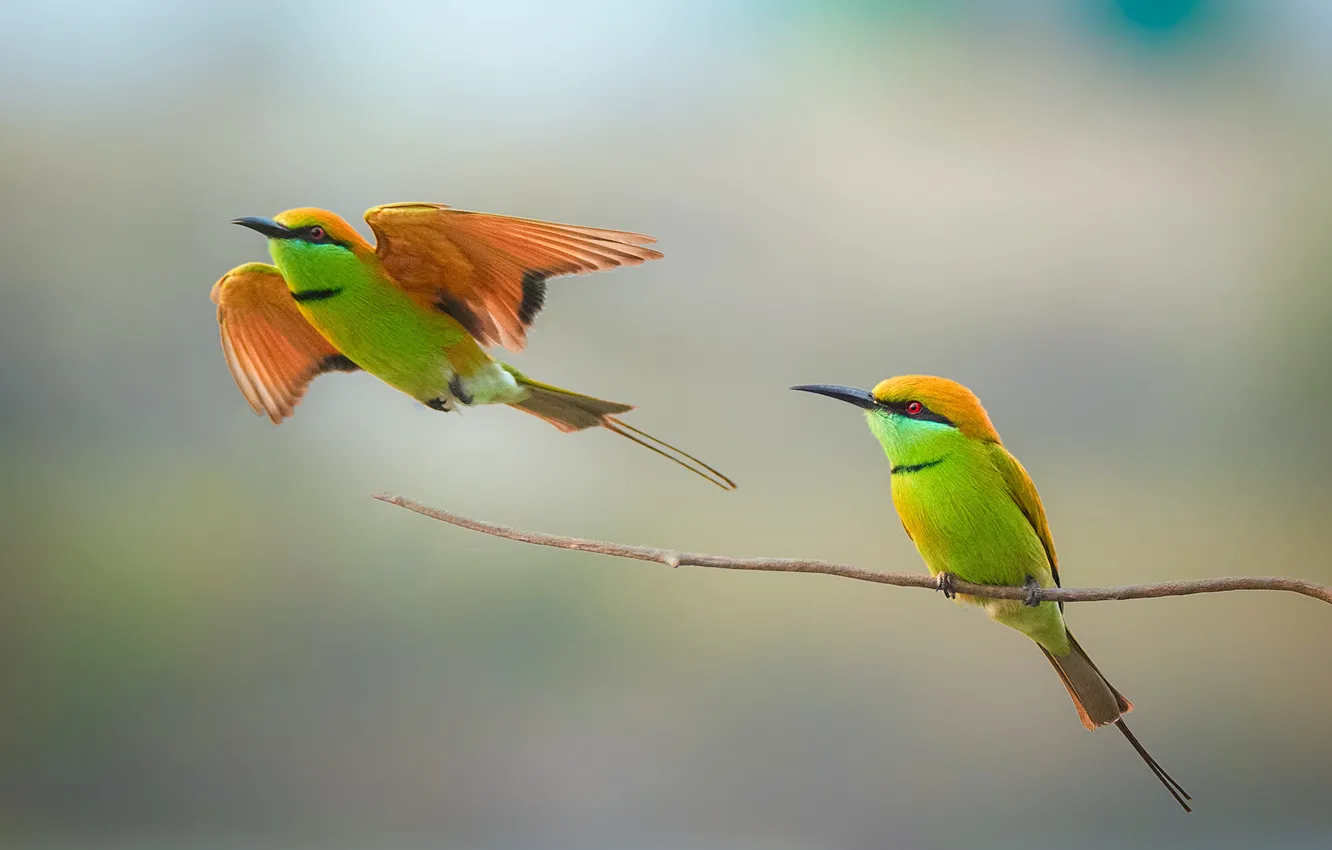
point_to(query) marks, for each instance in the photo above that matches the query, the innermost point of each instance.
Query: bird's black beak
(266, 226)
(850, 395)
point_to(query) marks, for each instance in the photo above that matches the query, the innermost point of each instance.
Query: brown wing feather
(273, 352)
(1024, 493)
(489, 271)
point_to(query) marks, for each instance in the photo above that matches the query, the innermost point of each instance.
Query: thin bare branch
(672, 558)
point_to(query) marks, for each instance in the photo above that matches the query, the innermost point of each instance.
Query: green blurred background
(1109, 218)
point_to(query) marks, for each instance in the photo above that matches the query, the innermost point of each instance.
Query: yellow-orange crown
(334, 225)
(945, 397)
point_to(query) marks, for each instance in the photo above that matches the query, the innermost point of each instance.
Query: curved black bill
(266, 226)
(850, 395)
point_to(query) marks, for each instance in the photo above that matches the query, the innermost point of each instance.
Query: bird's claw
(456, 388)
(944, 582)
(1033, 597)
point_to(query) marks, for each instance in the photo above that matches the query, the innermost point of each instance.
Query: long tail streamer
(668, 451)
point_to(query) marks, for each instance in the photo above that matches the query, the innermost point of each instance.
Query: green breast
(963, 520)
(370, 319)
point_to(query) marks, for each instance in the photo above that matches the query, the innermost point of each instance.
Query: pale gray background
(1111, 222)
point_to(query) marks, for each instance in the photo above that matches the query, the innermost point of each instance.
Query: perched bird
(415, 309)
(973, 513)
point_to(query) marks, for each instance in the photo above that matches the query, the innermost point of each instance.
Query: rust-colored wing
(489, 271)
(1024, 493)
(272, 350)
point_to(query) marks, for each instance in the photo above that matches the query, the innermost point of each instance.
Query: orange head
(938, 399)
(917, 417)
(316, 251)
(932, 402)
(312, 226)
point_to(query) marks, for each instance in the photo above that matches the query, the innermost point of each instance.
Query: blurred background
(1108, 218)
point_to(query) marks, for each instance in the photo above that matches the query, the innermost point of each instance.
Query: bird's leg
(456, 387)
(944, 582)
(1033, 592)
(440, 404)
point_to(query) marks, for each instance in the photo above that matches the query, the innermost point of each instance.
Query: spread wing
(273, 352)
(489, 271)
(1024, 493)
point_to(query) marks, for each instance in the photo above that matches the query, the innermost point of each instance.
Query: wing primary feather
(625, 236)
(478, 268)
(239, 374)
(534, 296)
(518, 246)
(264, 381)
(268, 354)
(272, 351)
(585, 251)
(616, 253)
(255, 378)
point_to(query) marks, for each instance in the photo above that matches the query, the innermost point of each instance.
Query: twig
(672, 558)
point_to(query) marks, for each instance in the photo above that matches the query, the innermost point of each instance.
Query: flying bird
(416, 310)
(974, 514)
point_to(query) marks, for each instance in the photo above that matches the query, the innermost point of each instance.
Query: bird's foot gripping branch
(1034, 595)
(944, 582)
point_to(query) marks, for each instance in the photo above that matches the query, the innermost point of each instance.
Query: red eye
(914, 408)
(317, 234)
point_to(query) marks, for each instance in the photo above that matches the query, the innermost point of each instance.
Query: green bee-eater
(415, 309)
(973, 512)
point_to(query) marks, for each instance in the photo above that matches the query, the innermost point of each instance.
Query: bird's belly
(975, 532)
(406, 348)
(985, 541)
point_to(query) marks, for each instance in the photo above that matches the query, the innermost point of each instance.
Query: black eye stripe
(925, 414)
(306, 234)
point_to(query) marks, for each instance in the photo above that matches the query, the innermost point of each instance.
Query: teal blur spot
(1158, 15)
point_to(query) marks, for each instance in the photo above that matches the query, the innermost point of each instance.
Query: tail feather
(1176, 790)
(666, 450)
(570, 411)
(566, 410)
(1099, 703)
